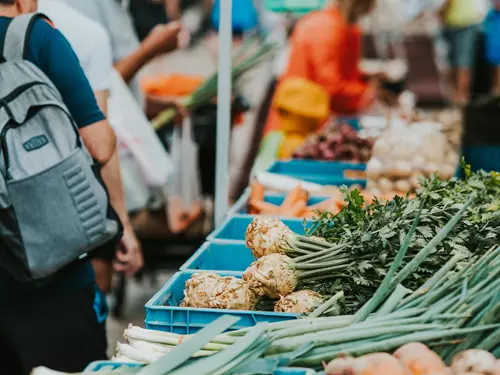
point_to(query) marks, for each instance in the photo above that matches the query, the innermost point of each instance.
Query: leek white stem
(136, 333)
(122, 359)
(142, 356)
(163, 349)
(46, 371)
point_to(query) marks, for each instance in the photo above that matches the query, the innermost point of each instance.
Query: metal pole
(223, 111)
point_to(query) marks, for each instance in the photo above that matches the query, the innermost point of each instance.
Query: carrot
(256, 194)
(296, 210)
(419, 359)
(291, 198)
(304, 195)
(322, 206)
(310, 214)
(262, 207)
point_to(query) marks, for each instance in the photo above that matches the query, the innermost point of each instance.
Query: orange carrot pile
(295, 203)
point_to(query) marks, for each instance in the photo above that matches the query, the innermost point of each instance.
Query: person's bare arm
(102, 100)
(130, 258)
(162, 39)
(173, 9)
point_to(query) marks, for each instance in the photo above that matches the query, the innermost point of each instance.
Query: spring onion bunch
(242, 63)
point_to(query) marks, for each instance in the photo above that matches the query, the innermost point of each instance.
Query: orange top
(327, 50)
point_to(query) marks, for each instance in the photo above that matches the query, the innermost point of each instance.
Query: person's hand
(164, 38)
(129, 255)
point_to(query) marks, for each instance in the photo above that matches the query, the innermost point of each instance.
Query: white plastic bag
(185, 200)
(403, 154)
(134, 131)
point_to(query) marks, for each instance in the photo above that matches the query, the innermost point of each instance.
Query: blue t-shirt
(51, 52)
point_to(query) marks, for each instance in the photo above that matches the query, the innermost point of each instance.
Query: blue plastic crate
(108, 365)
(233, 229)
(320, 172)
(213, 256)
(350, 120)
(164, 314)
(241, 205)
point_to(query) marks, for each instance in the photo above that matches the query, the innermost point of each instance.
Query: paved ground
(137, 295)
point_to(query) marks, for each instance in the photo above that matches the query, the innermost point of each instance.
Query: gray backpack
(53, 206)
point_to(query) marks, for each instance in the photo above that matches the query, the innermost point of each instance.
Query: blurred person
(92, 46)
(130, 55)
(325, 48)
(461, 19)
(492, 41)
(146, 14)
(62, 310)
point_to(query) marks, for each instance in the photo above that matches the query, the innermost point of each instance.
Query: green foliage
(375, 232)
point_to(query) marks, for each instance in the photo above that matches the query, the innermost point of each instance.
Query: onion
(447, 171)
(374, 168)
(431, 168)
(403, 169)
(474, 361)
(415, 180)
(419, 162)
(385, 185)
(402, 186)
(340, 366)
(381, 148)
(452, 157)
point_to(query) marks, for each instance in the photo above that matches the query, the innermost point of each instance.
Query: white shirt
(114, 17)
(89, 40)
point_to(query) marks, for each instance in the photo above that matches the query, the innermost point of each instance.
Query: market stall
(362, 254)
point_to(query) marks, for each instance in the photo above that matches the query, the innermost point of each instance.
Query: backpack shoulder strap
(17, 35)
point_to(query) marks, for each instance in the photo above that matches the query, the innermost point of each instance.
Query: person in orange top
(326, 49)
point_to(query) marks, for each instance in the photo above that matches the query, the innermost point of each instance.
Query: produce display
(349, 253)
(447, 313)
(436, 295)
(403, 155)
(338, 142)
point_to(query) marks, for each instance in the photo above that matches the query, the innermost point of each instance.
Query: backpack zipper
(4, 102)
(18, 91)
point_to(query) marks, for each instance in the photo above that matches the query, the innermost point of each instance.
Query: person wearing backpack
(55, 144)
(91, 44)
